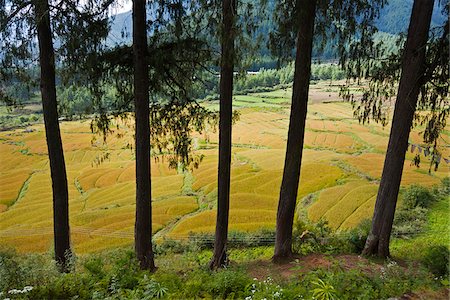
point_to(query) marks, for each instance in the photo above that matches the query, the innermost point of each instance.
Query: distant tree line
(76, 101)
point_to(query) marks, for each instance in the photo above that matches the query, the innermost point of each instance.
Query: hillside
(341, 167)
(394, 19)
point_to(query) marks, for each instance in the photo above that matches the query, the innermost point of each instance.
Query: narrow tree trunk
(143, 226)
(296, 133)
(413, 67)
(53, 136)
(219, 258)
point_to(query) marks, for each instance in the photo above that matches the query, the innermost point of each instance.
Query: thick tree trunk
(219, 258)
(143, 226)
(413, 67)
(296, 133)
(53, 136)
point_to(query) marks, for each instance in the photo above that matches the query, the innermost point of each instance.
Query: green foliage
(236, 239)
(359, 284)
(227, 284)
(358, 235)
(20, 271)
(411, 216)
(414, 247)
(116, 275)
(436, 259)
(153, 289)
(382, 64)
(12, 120)
(77, 101)
(168, 245)
(264, 80)
(173, 125)
(420, 231)
(443, 190)
(323, 290)
(417, 195)
(266, 289)
(409, 221)
(79, 28)
(308, 237)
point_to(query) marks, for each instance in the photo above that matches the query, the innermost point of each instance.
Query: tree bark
(219, 258)
(53, 136)
(143, 225)
(296, 132)
(413, 68)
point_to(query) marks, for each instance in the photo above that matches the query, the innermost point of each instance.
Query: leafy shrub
(17, 271)
(446, 185)
(266, 289)
(227, 284)
(10, 272)
(410, 221)
(194, 285)
(391, 281)
(323, 290)
(168, 245)
(442, 190)
(236, 239)
(223, 284)
(308, 237)
(358, 235)
(436, 259)
(417, 195)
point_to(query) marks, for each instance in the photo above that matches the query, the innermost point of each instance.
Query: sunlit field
(342, 163)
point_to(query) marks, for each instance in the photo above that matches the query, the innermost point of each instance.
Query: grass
(435, 233)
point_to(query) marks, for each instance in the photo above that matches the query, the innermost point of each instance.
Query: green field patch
(435, 233)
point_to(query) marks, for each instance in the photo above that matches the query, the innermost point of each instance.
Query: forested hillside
(394, 19)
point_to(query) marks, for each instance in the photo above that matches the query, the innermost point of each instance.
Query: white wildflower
(14, 291)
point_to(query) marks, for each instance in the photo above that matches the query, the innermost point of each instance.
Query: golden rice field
(342, 163)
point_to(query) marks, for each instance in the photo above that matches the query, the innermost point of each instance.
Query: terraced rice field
(342, 163)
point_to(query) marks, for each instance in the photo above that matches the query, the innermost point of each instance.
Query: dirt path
(262, 268)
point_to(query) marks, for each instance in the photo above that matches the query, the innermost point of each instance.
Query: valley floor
(342, 164)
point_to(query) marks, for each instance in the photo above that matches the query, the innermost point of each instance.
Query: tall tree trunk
(219, 258)
(413, 67)
(143, 226)
(296, 133)
(53, 136)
